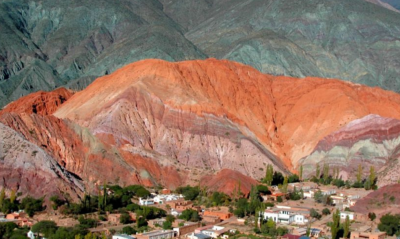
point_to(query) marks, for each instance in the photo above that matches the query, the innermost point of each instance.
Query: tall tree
(346, 227)
(308, 232)
(335, 224)
(359, 173)
(285, 185)
(269, 174)
(2, 197)
(13, 196)
(372, 175)
(317, 171)
(301, 173)
(326, 172)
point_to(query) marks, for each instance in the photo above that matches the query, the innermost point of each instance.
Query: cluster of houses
(20, 218)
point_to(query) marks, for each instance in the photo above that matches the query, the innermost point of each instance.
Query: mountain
(370, 141)
(353, 40)
(155, 122)
(382, 201)
(47, 44)
(394, 3)
(387, 4)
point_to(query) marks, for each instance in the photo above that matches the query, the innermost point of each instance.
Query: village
(278, 214)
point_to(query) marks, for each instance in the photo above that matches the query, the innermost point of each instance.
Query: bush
(190, 215)
(315, 214)
(326, 211)
(128, 230)
(263, 189)
(390, 224)
(125, 218)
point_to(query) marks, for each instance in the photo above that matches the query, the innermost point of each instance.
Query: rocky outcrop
(369, 141)
(42, 103)
(229, 182)
(29, 169)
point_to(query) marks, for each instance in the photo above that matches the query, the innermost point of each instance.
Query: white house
(212, 231)
(161, 199)
(344, 214)
(286, 215)
(122, 236)
(175, 213)
(146, 202)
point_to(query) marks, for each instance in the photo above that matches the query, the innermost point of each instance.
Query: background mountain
(391, 5)
(47, 44)
(394, 3)
(195, 122)
(350, 40)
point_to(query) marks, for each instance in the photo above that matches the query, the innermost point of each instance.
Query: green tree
(31, 205)
(285, 184)
(190, 215)
(263, 189)
(2, 197)
(359, 174)
(390, 224)
(269, 228)
(301, 173)
(371, 216)
(326, 173)
(308, 232)
(13, 196)
(346, 227)
(46, 228)
(125, 218)
(269, 175)
(141, 222)
(6, 229)
(317, 171)
(315, 214)
(335, 224)
(326, 211)
(167, 225)
(129, 230)
(277, 178)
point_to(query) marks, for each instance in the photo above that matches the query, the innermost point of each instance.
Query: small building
(175, 212)
(198, 236)
(160, 234)
(114, 218)
(367, 235)
(186, 229)
(221, 215)
(211, 219)
(344, 214)
(122, 236)
(156, 222)
(212, 231)
(30, 235)
(146, 202)
(180, 204)
(166, 191)
(301, 231)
